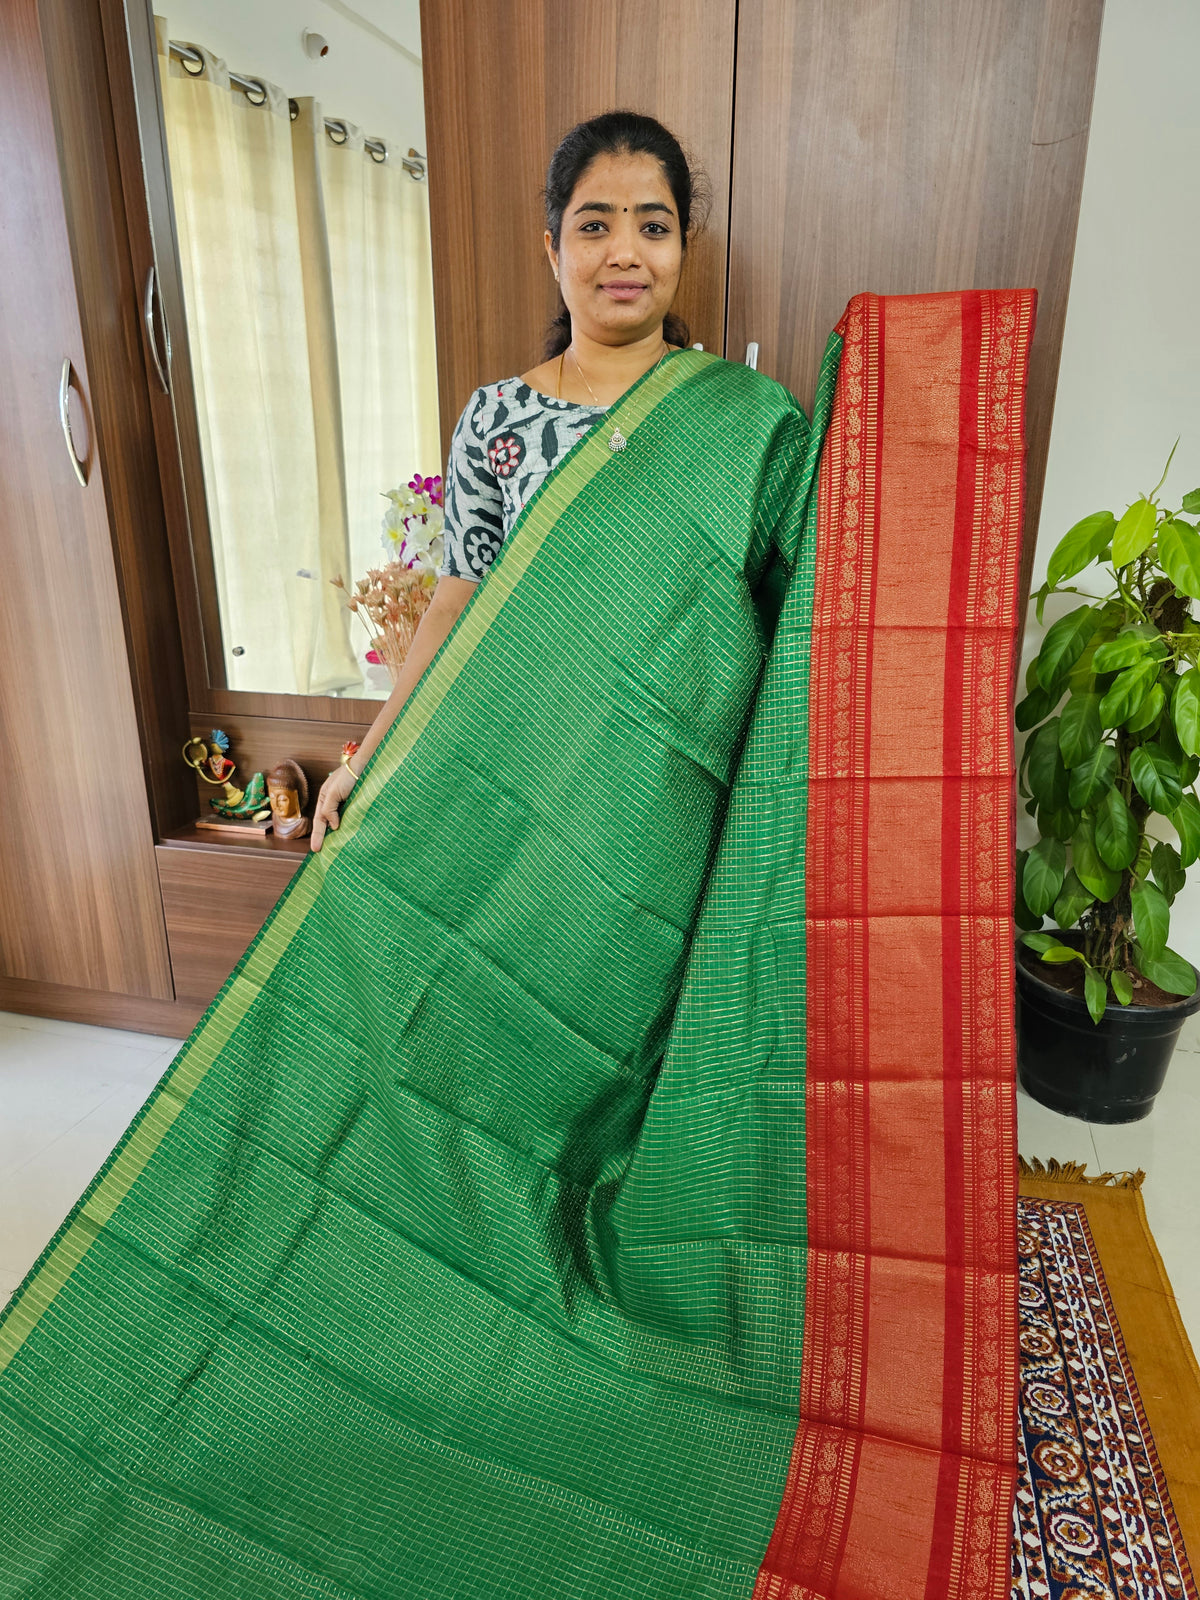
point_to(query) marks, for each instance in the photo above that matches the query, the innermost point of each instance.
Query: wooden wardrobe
(893, 145)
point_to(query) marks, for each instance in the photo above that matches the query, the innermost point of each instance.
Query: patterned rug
(1093, 1515)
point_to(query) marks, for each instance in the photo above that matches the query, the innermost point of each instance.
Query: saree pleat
(599, 1170)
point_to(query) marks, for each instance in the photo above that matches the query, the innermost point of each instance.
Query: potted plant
(1112, 713)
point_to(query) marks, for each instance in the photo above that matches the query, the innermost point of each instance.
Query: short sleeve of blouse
(474, 509)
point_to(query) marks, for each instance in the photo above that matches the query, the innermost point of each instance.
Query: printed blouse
(507, 441)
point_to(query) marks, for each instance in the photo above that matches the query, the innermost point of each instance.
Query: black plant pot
(1105, 1072)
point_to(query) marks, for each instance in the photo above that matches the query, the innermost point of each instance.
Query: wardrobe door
(79, 898)
(503, 83)
(904, 147)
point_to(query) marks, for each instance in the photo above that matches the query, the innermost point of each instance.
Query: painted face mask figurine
(287, 788)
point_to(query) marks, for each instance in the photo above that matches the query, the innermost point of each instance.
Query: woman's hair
(621, 133)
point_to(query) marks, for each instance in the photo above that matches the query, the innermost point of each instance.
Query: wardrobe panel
(501, 87)
(110, 299)
(244, 888)
(79, 900)
(907, 146)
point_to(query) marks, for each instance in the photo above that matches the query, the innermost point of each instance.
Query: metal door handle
(752, 356)
(64, 414)
(151, 338)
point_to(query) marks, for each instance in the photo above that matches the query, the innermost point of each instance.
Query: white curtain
(379, 259)
(307, 281)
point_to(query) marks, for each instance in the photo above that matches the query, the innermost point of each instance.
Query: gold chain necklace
(618, 440)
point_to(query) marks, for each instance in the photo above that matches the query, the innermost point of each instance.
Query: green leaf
(1095, 992)
(1043, 875)
(1134, 533)
(1092, 777)
(1122, 987)
(1156, 776)
(1023, 916)
(1165, 470)
(1191, 502)
(1036, 705)
(1179, 555)
(1127, 693)
(1089, 868)
(1063, 645)
(1169, 739)
(1141, 862)
(1082, 677)
(1168, 870)
(1073, 900)
(1185, 711)
(1151, 917)
(1117, 834)
(1151, 710)
(1081, 544)
(1057, 824)
(1046, 771)
(1058, 955)
(1129, 646)
(1040, 941)
(1079, 728)
(1185, 819)
(1169, 971)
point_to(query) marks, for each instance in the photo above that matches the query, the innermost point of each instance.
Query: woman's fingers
(325, 816)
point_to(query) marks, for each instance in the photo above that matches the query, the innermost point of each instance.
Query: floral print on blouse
(506, 443)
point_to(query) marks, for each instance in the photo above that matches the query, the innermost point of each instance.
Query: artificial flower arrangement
(391, 600)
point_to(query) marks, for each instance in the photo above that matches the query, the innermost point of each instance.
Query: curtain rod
(255, 91)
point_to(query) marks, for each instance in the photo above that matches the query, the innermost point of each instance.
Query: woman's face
(620, 250)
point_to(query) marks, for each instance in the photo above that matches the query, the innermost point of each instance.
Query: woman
(621, 204)
(560, 1201)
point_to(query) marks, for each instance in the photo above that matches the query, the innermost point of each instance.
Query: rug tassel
(1053, 1171)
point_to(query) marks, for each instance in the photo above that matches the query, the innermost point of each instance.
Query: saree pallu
(597, 1179)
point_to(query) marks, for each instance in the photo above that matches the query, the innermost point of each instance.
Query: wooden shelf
(193, 838)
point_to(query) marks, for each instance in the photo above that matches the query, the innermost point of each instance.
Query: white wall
(365, 79)
(1129, 383)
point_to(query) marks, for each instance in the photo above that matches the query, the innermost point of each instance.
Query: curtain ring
(333, 129)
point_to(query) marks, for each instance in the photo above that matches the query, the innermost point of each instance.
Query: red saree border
(887, 1495)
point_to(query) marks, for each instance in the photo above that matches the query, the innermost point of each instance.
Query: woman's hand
(449, 601)
(334, 792)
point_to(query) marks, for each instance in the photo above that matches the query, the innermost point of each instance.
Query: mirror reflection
(302, 218)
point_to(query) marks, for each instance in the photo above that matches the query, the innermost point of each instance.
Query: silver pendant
(618, 440)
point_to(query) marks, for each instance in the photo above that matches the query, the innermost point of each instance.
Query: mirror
(301, 209)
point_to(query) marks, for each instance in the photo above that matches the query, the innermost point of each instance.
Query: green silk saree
(477, 1241)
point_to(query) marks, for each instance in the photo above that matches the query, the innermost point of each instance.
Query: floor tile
(1046, 1134)
(36, 1198)
(49, 1083)
(83, 1032)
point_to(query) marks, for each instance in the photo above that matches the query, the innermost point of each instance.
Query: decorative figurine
(288, 789)
(246, 810)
